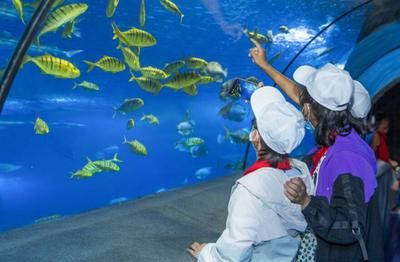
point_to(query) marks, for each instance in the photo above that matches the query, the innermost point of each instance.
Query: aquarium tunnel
(119, 152)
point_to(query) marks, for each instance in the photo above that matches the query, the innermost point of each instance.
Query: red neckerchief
(317, 157)
(283, 165)
(320, 154)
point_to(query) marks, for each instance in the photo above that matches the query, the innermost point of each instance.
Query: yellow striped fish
(142, 15)
(131, 58)
(130, 124)
(54, 66)
(181, 80)
(41, 127)
(133, 37)
(173, 67)
(153, 72)
(190, 90)
(107, 64)
(61, 16)
(136, 146)
(111, 7)
(19, 8)
(196, 63)
(170, 6)
(205, 80)
(147, 84)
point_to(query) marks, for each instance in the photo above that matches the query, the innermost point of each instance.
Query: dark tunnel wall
(389, 103)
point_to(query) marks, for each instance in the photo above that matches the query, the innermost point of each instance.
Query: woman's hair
(379, 116)
(329, 123)
(266, 153)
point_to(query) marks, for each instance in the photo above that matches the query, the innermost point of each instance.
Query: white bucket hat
(330, 86)
(361, 101)
(279, 123)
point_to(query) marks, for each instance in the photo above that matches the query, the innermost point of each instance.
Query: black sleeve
(334, 221)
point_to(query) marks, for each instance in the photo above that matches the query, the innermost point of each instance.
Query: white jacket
(262, 223)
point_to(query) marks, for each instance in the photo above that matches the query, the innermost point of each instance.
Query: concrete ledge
(155, 228)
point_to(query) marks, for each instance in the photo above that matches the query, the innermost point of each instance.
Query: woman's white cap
(361, 102)
(279, 123)
(330, 86)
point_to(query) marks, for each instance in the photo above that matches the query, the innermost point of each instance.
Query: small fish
(192, 141)
(151, 119)
(198, 151)
(195, 146)
(41, 127)
(173, 67)
(149, 85)
(133, 37)
(270, 36)
(195, 63)
(107, 165)
(185, 127)
(61, 16)
(131, 58)
(69, 29)
(181, 80)
(129, 106)
(238, 165)
(284, 29)
(170, 6)
(161, 190)
(117, 201)
(54, 66)
(234, 111)
(19, 7)
(111, 7)
(136, 146)
(87, 85)
(9, 168)
(324, 51)
(152, 72)
(215, 70)
(107, 151)
(48, 219)
(204, 80)
(107, 64)
(260, 38)
(203, 173)
(240, 136)
(11, 42)
(190, 90)
(142, 15)
(130, 124)
(275, 57)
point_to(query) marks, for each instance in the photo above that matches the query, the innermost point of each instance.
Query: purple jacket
(349, 154)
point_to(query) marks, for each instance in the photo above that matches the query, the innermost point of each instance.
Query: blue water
(81, 123)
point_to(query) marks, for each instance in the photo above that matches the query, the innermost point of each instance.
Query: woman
(262, 224)
(381, 148)
(343, 214)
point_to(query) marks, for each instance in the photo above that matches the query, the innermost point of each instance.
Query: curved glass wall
(189, 144)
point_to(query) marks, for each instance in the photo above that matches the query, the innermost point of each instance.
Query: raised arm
(288, 86)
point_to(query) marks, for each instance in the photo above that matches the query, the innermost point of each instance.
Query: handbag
(307, 247)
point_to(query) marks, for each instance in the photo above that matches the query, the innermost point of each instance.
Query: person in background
(343, 212)
(262, 224)
(381, 148)
(379, 142)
